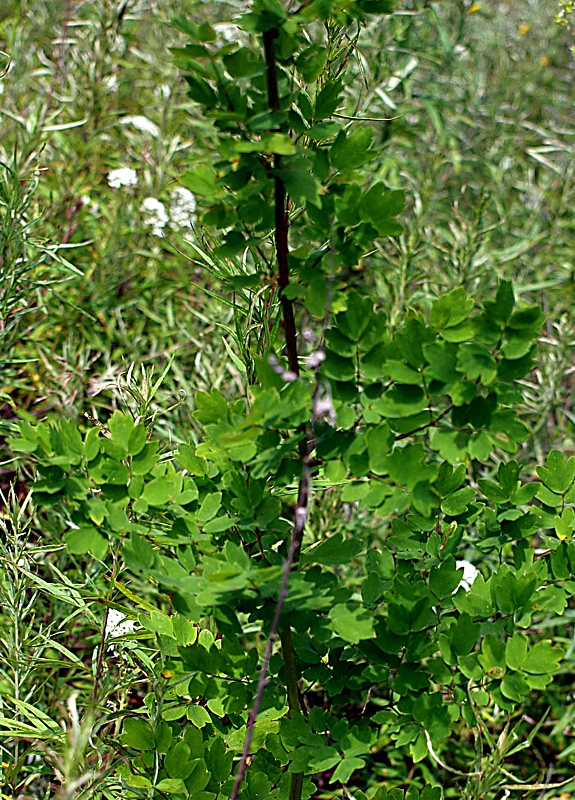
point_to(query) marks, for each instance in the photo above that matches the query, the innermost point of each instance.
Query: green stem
(292, 680)
(292, 677)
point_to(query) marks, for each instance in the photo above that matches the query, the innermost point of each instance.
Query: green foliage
(211, 537)
(405, 427)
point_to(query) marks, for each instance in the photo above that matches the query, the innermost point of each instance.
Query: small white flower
(228, 32)
(125, 176)
(163, 91)
(117, 44)
(155, 215)
(314, 360)
(118, 624)
(323, 409)
(111, 83)
(142, 124)
(182, 208)
(469, 574)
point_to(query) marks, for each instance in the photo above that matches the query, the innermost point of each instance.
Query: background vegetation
(112, 298)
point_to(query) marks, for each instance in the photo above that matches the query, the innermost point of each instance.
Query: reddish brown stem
(281, 204)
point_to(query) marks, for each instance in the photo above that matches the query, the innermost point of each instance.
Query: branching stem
(281, 239)
(296, 536)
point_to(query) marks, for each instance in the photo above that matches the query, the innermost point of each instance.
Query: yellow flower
(544, 61)
(524, 28)
(473, 8)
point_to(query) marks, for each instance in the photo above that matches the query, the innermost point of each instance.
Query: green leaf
(476, 362)
(379, 205)
(353, 322)
(121, 426)
(501, 308)
(565, 523)
(137, 734)
(464, 635)
(401, 401)
(243, 63)
(210, 506)
(160, 491)
(177, 763)
(157, 622)
(203, 181)
(172, 786)
(458, 502)
(515, 687)
(311, 61)
(185, 632)
(335, 550)
(328, 100)
(198, 716)
(138, 782)
(492, 652)
(201, 91)
(559, 473)
(376, 6)
(450, 310)
(542, 658)
(278, 143)
(146, 459)
(137, 440)
(444, 579)
(516, 651)
(346, 768)
(449, 478)
(352, 623)
(299, 180)
(348, 153)
(87, 540)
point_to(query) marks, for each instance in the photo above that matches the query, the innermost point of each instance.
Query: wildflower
(228, 32)
(524, 28)
(117, 624)
(117, 44)
(142, 124)
(469, 574)
(163, 91)
(314, 360)
(286, 374)
(182, 208)
(544, 61)
(155, 215)
(473, 8)
(111, 83)
(125, 176)
(323, 409)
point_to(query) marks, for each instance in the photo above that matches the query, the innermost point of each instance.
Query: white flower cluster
(181, 212)
(155, 215)
(117, 624)
(470, 572)
(124, 176)
(228, 32)
(182, 208)
(142, 124)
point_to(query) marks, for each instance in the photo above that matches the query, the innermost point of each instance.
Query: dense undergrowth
(127, 286)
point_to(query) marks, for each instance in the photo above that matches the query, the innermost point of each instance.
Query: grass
(98, 312)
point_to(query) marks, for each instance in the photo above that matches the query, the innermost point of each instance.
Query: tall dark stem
(281, 207)
(281, 238)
